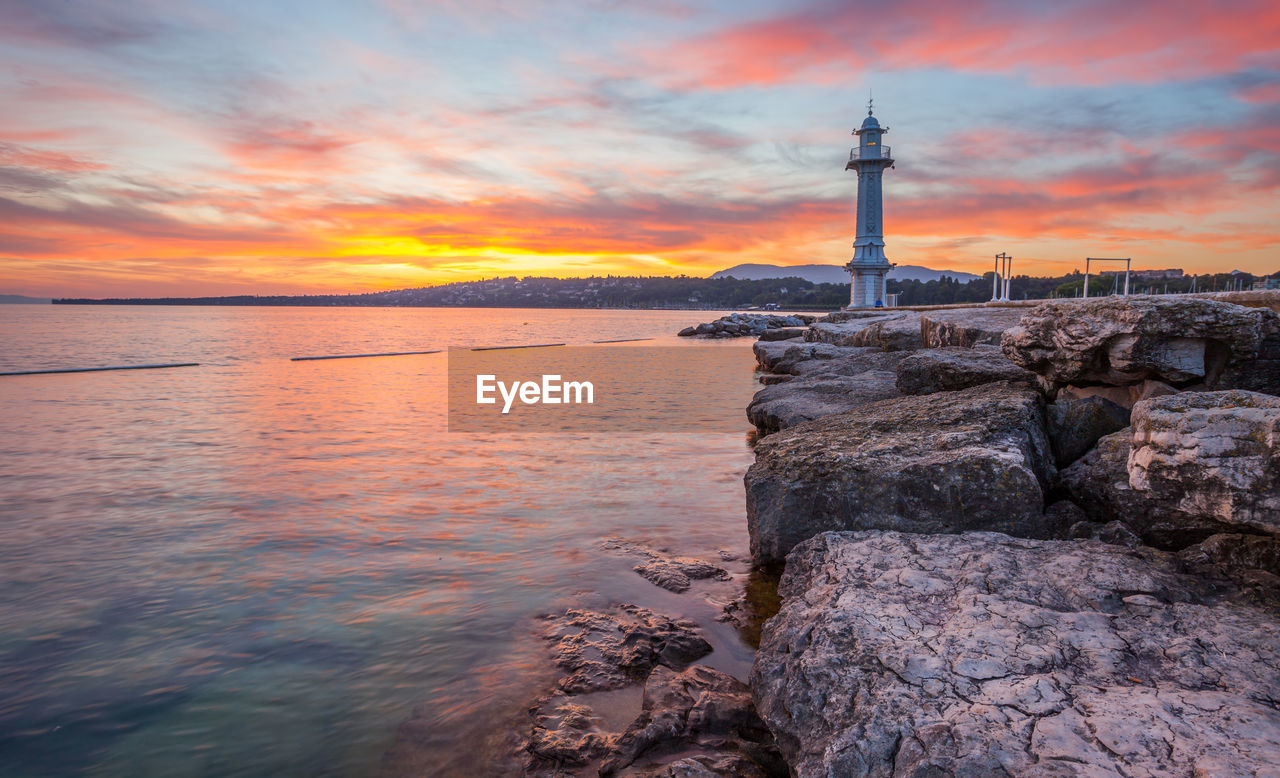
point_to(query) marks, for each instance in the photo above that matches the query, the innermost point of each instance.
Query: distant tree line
(690, 292)
(947, 290)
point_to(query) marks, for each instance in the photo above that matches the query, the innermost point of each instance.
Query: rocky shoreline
(1023, 542)
(1017, 541)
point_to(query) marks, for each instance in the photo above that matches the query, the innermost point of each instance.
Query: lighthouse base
(868, 286)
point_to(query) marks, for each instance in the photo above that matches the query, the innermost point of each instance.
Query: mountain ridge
(833, 274)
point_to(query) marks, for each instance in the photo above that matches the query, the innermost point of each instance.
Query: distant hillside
(21, 298)
(834, 274)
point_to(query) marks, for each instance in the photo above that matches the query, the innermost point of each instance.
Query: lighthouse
(869, 265)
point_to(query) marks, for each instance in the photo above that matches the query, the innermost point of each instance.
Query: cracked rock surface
(948, 462)
(957, 367)
(967, 327)
(830, 379)
(984, 655)
(895, 331)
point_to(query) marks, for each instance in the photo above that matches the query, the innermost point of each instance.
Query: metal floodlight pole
(1000, 281)
(1126, 260)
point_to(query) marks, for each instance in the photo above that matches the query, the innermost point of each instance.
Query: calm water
(262, 567)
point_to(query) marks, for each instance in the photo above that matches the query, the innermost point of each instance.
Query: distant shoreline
(289, 303)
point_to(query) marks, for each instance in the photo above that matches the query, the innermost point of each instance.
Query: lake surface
(262, 567)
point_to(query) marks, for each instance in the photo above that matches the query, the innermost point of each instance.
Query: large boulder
(768, 353)
(825, 385)
(1098, 482)
(1210, 456)
(1125, 340)
(950, 462)
(1076, 425)
(967, 327)
(895, 331)
(957, 367)
(816, 357)
(982, 655)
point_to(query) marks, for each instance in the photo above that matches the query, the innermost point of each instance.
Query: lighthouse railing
(869, 152)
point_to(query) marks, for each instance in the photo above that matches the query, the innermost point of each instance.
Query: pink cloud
(1080, 42)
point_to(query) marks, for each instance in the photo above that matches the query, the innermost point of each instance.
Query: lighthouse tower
(869, 265)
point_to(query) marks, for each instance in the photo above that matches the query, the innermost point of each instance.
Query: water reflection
(260, 567)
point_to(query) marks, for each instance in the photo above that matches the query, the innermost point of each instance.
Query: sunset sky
(170, 147)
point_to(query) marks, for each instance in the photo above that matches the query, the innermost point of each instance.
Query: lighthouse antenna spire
(869, 101)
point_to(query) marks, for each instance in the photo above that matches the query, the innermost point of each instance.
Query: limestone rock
(814, 357)
(769, 352)
(743, 324)
(979, 655)
(1119, 395)
(1210, 456)
(565, 732)
(1258, 552)
(1099, 483)
(1117, 533)
(844, 382)
(949, 462)
(967, 327)
(1076, 425)
(889, 331)
(602, 651)
(691, 710)
(1125, 340)
(957, 367)
(676, 575)
(783, 333)
(1065, 513)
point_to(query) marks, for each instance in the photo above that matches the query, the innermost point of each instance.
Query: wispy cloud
(186, 146)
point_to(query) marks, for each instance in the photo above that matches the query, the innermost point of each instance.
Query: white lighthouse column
(869, 266)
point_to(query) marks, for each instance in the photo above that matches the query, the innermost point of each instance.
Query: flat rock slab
(769, 352)
(949, 462)
(802, 358)
(824, 386)
(967, 327)
(891, 331)
(909, 330)
(984, 655)
(1125, 340)
(957, 367)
